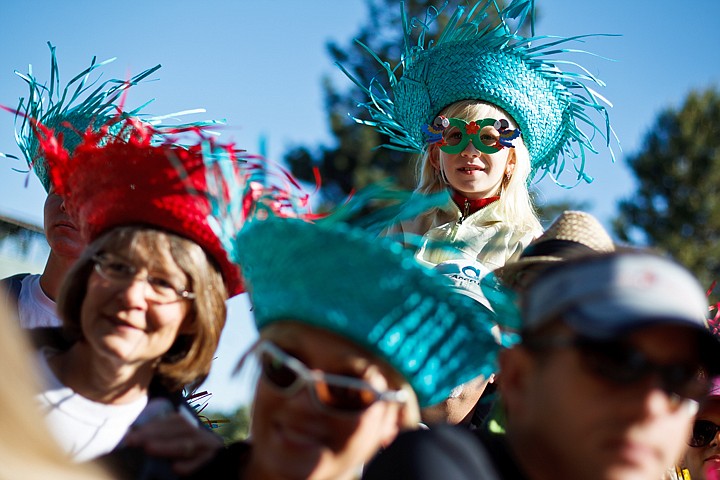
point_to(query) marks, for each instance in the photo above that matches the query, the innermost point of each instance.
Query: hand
(174, 438)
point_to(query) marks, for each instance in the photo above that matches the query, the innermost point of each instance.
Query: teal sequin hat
(372, 292)
(473, 60)
(319, 270)
(80, 105)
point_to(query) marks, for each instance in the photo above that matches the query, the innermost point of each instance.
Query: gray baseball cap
(605, 296)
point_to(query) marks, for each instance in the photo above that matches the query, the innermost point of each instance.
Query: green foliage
(355, 160)
(233, 428)
(676, 207)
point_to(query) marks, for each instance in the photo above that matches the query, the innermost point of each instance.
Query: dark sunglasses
(337, 393)
(621, 363)
(703, 433)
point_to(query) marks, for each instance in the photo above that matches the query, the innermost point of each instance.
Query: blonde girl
(486, 110)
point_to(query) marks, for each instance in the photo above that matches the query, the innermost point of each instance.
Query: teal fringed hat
(341, 279)
(320, 271)
(472, 60)
(70, 111)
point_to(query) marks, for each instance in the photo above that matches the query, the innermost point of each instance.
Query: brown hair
(188, 360)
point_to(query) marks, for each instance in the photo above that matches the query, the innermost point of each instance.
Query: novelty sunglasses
(488, 135)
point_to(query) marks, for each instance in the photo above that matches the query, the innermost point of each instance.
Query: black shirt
(447, 453)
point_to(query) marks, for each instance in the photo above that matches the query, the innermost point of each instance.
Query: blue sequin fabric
(372, 292)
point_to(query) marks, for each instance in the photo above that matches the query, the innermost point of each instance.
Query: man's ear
(516, 370)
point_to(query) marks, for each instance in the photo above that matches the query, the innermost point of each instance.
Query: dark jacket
(447, 453)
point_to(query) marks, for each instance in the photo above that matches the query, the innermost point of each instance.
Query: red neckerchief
(469, 206)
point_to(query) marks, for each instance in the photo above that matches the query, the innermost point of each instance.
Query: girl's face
(122, 320)
(472, 173)
(700, 460)
(295, 436)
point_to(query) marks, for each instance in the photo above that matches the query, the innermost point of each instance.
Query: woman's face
(698, 460)
(472, 173)
(294, 437)
(122, 322)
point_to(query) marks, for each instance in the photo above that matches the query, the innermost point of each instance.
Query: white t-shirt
(83, 428)
(35, 309)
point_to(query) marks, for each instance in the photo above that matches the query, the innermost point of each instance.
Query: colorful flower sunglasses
(488, 135)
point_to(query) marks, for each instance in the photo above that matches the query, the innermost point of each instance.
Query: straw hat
(558, 112)
(571, 235)
(372, 292)
(66, 112)
(128, 179)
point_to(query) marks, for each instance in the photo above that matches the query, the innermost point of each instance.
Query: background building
(23, 247)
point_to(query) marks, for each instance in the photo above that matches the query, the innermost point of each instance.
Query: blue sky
(259, 65)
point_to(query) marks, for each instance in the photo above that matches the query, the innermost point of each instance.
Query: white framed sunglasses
(335, 393)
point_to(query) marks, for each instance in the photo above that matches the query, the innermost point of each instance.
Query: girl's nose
(471, 150)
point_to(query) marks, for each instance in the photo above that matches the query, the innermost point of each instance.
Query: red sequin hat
(126, 179)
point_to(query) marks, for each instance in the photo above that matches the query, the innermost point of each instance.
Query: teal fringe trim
(565, 139)
(80, 105)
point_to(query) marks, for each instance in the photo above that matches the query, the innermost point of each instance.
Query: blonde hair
(27, 448)
(187, 363)
(515, 205)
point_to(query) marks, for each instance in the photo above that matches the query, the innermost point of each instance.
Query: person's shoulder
(15, 277)
(448, 452)
(13, 285)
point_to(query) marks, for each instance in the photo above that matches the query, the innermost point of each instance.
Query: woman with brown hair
(143, 307)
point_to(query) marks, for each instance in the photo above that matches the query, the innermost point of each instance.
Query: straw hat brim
(509, 273)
